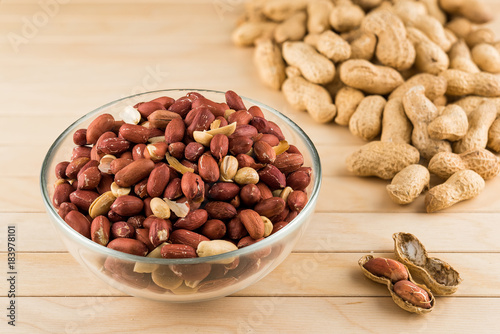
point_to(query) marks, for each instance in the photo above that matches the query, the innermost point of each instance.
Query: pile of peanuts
(188, 177)
(417, 77)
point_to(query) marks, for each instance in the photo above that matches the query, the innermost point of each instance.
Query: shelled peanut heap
(181, 178)
(417, 78)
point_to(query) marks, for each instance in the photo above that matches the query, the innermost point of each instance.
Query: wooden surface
(88, 53)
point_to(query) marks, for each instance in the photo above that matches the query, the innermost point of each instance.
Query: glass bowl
(154, 278)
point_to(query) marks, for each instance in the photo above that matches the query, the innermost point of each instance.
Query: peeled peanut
(391, 269)
(412, 294)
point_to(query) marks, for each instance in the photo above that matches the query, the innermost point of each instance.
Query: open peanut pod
(438, 275)
(407, 294)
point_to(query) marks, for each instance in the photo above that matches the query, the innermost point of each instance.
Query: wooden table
(82, 54)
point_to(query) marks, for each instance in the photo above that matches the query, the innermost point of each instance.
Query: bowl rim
(103, 250)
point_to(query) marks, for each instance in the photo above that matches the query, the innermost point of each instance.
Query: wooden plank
(249, 315)
(301, 274)
(326, 232)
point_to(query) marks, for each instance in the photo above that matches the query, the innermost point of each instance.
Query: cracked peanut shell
(438, 275)
(390, 285)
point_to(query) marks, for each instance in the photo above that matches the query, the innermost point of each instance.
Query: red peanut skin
(83, 198)
(391, 269)
(127, 205)
(98, 126)
(134, 172)
(78, 222)
(166, 101)
(178, 251)
(147, 108)
(158, 180)
(61, 194)
(195, 219)
(122, 229)
(100, 230)
(129, 246)
(234, 101)
(65, 208)
(134, 133)
(174, 132)
(208, 168)
(187, 237)
(412, 293)
(214, 229)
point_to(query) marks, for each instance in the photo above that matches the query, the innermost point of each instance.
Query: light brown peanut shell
(434, 10)
(421, 111)
(269, 63)
(396, 127)
(247, 33)
(362, 43)
(436, 274)
(318, 16)
(347, 100)
(451, 124)
(480, 121)
(408, 184)
(345, 16)
(279, 10)
(314, 66)
(461, 58)
(304, 95)
(462, 83)
(430, 57)
(470, 103)
(390, 286)
(372, 79)
(435, 86)
(366, 121)
(475, 10)
(460, 26)
(333, 46)
(382, 159)
(292, 29)
(393, 49)
(480, 35)
(487, 57)
(494, 136)
(461, 186)
(481, 161)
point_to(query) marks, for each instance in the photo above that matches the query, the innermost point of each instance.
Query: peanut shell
(397, 299)
(438, 275)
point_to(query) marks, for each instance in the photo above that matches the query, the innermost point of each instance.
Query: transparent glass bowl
(154, 278)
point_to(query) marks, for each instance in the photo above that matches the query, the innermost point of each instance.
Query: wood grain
(327, 232)
(301, 274)
(254, 314)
